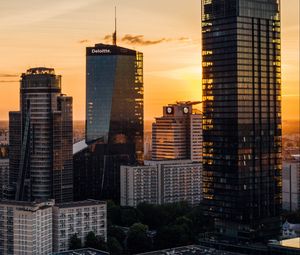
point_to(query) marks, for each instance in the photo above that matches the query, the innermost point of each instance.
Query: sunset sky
(55, 33)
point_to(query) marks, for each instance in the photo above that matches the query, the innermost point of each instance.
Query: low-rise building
(291, 184)
(26, 228)
(78, 218)
(161, 182)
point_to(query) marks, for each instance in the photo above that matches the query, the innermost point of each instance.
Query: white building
(291, 184)
(78, 218)
(161, 182)
(26, 228)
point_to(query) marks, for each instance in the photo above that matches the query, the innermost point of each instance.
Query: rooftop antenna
(115, 33)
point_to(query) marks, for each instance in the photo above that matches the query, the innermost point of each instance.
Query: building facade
(161, 182)
(114, 113)
(291, 184)
(242, 116)
(40, 140)
(78, 218)
(4, 171)
(178, 133)
(25, 228)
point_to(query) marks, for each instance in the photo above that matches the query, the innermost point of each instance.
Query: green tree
(114, 246)
(75, 242)
(96, 242)
(138, 240)
(172, 236)
(117, 232)
(153, 216)
(129, 216)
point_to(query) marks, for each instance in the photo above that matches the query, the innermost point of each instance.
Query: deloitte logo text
(101, 51)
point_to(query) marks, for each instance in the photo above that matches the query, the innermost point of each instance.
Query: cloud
(5, 75)
(8, 81)
(84, 41)
(140, 40)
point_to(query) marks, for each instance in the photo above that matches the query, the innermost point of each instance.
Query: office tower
(178, 133)
(242, 116)
(161, 182)
(114, 113)
(291, 184)
(41, 162)
(26, 227)
(78, 218)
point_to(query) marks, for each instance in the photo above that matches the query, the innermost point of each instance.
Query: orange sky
(55, 33)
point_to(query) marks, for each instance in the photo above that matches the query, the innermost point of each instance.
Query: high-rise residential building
(78, 218)
(161, 182)
(291, 184)
(26, 228)
(178, 133)
(40, 141)
(114, 113)
(242, 116)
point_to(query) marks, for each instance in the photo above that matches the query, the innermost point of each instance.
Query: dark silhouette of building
(41, 134)
(242, 116)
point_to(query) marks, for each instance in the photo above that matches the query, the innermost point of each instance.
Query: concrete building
(161, 182)
(178, 133)
(80, 218)
(40, 140)
(291, 184)
(26, 228)
(4, 168)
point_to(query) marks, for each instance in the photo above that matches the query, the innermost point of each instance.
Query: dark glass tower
(114, 111)
(242, 116)
(41, 139)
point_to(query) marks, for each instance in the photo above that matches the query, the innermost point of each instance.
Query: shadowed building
(242, 116)
(114, 115)
(41, 134)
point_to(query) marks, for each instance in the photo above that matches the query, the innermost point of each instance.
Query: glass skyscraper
(242, 116)
(114, 111)
(41, 138)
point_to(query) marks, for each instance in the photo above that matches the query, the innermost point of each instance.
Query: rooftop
(80, 146)
(86, 251)
(89, 202)
(192, 249)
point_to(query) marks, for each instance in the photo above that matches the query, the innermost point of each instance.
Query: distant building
(78, 218)
(291, 184)
(178, 133)
(161, 182)
(4, 171)
(26, 228)
(41, 138)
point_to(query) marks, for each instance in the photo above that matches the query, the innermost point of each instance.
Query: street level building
(26, 228)
(78, 218)
(161, 182)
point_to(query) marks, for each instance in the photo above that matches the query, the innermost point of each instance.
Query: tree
(118, 233)
(75, 242)
(129, 216)
(114, 247)
(96, 242)
(153, 216)
(172, 236)
(138, 240)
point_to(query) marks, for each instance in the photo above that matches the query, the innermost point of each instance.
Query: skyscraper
(41, 138)
(114, 112)
(178, 133)
(242, 116)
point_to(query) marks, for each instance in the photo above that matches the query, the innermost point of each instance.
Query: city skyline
(57, 35)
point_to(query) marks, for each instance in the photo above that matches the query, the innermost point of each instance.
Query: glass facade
(41, 140)
(114, 111)
(242, 116)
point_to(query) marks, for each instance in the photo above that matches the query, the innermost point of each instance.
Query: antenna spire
(115, 33)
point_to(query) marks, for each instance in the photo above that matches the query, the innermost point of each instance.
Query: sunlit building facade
(178, 133)
(40, 142)
(114, 113)
(242, 116)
